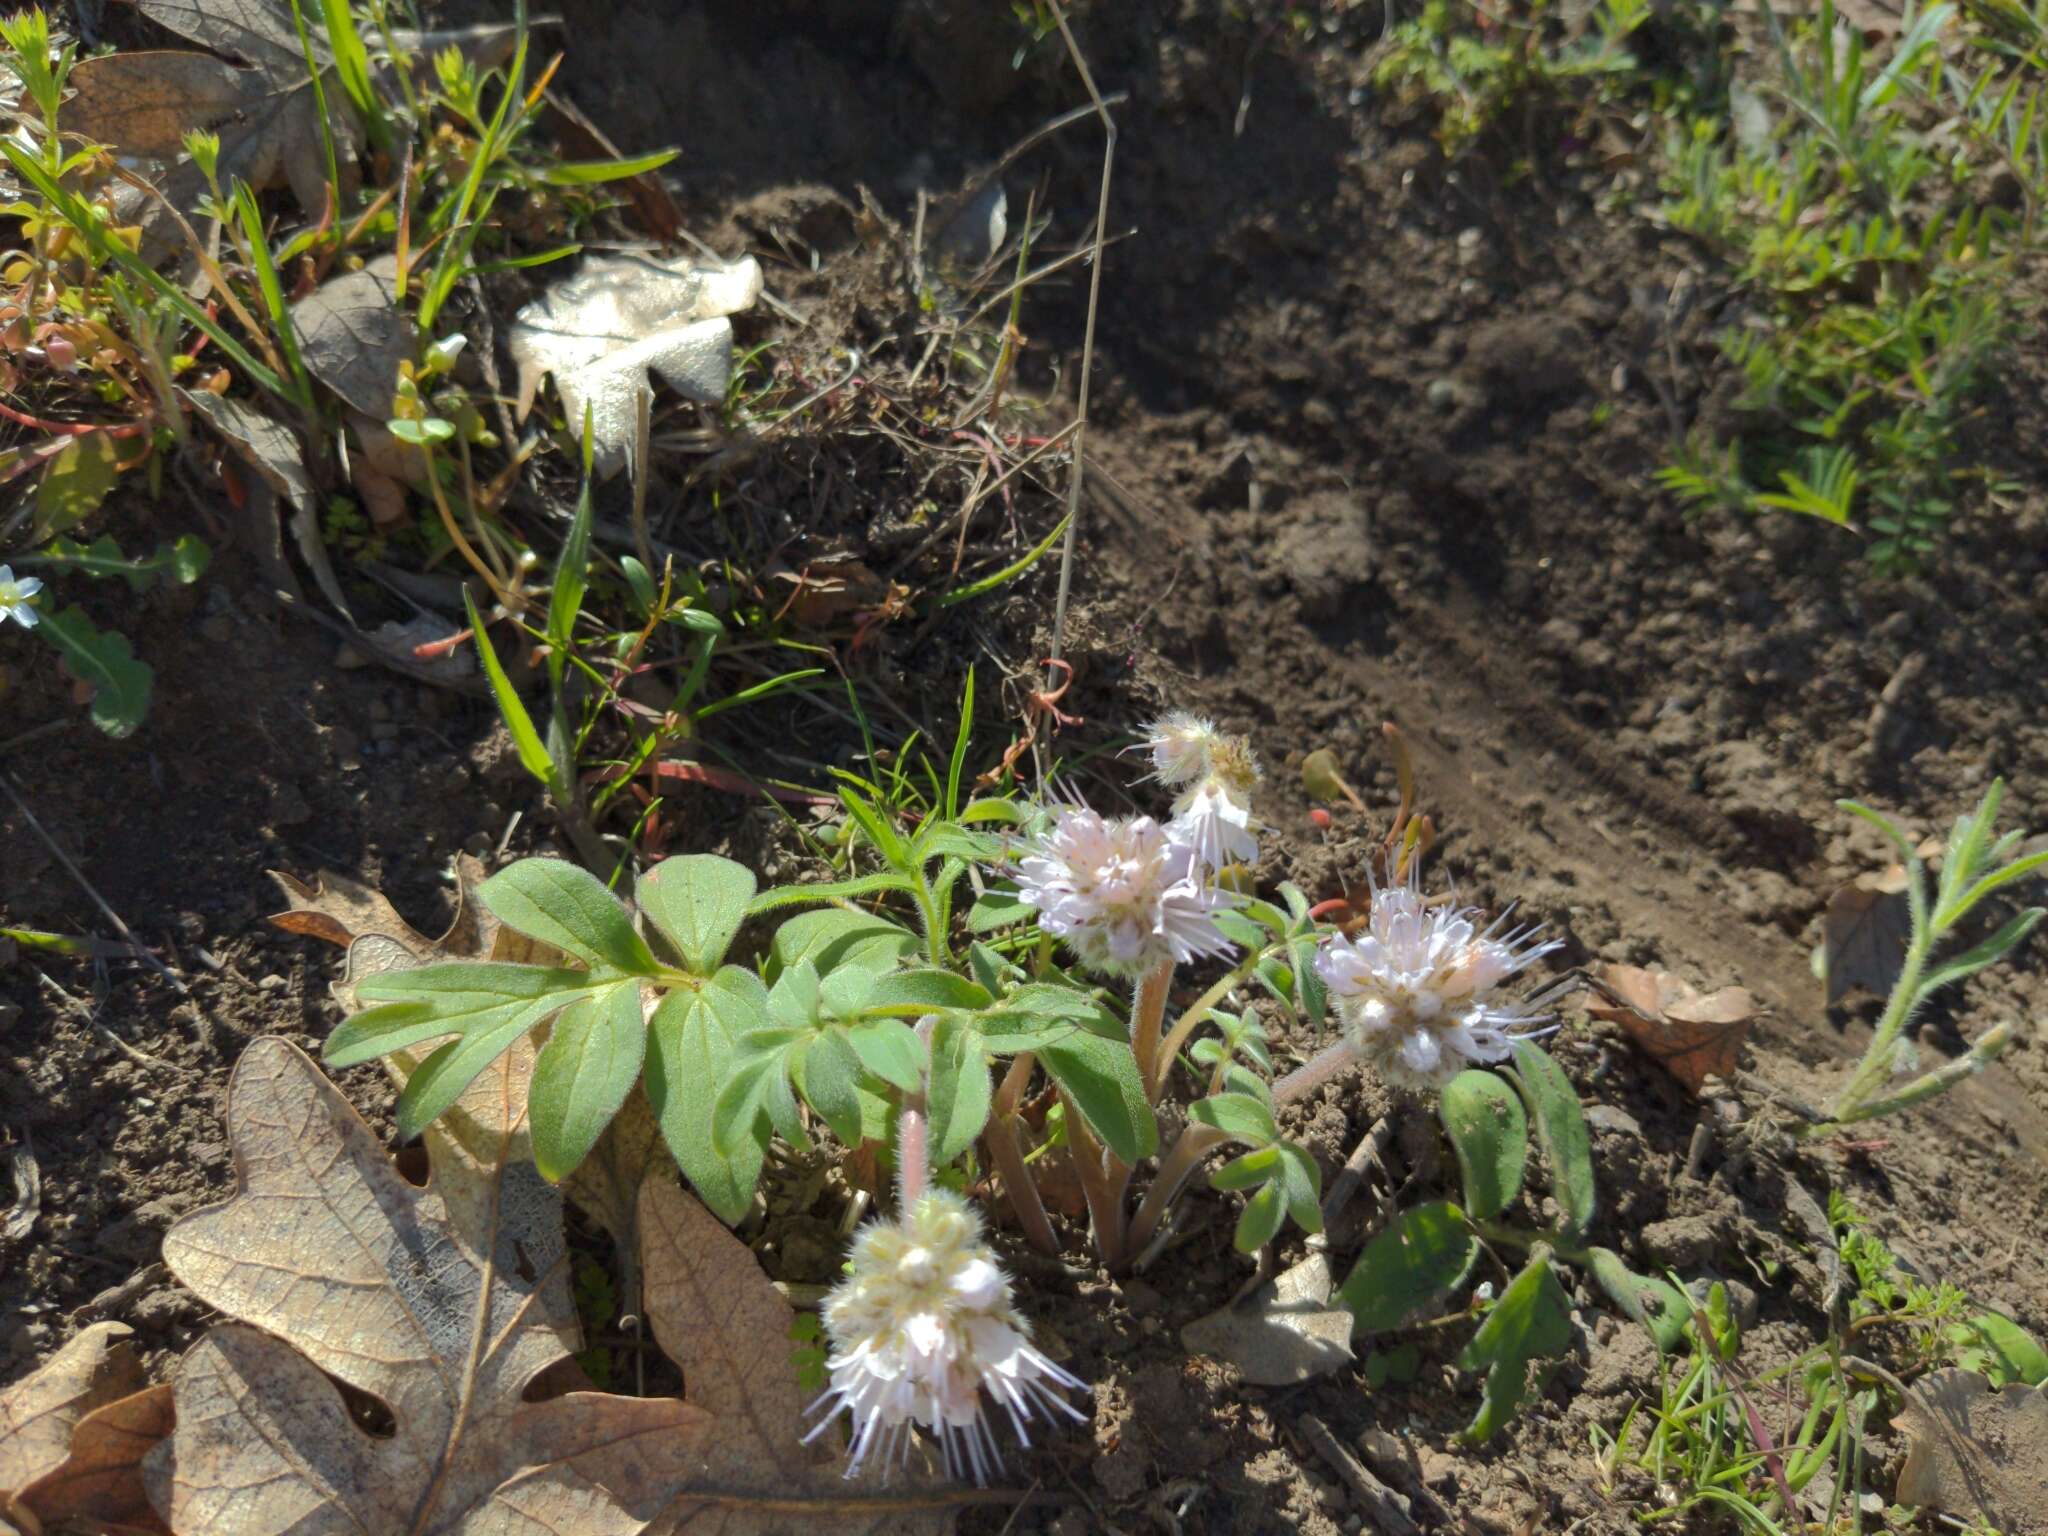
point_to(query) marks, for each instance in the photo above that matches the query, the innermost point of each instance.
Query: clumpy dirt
(1372, 441)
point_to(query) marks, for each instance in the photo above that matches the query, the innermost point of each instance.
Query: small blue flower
(14, 598)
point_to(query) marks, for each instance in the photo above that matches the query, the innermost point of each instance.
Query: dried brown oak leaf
(39, 1413)
(341, 1269)
(718, 1317)
(1690, 1035)
(263, 108)
(99, 1484)
(1977, 1454)
(1865, 933)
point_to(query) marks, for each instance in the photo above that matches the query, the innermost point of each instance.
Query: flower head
(1179, 745)
(1417, 989)
(922, 1325)
(1123, 894)
(14, 598)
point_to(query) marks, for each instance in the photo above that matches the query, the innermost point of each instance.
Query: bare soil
(1372, 437)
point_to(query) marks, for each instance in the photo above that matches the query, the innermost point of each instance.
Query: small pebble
(271, 983)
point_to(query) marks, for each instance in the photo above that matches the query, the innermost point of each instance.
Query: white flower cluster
(922, 1325)
(15, 595)
(1214, 774)
(1125, 895)
(1418, 988)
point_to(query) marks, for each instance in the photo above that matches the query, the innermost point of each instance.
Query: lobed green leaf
(590, 1063)
(698, 901)
(556, 902)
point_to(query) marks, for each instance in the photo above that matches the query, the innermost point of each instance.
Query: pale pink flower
(920, 1330)
(1124, 895)
(1417, 988)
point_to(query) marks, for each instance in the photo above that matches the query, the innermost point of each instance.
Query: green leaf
(1490, 1133)
(1301, 1184)
(583, 1074)
(1040, 1011)
(874, 822)
(890, 1049)
(74, 484)
(957, 764)
(533, 753)
(1423, 1255)
(1531, 1321)
(379, 1031)
(755, 1090)
(582, 173)
(1240, 930)
(829, 1074)
(179, 563)
(999, 907)
(1260, 1220)
(690, 1052)
(932, 990)
(1257, 1167)
(846, 993)
(834, 937)
(960, 1092)
(428, 429)
(572, 580)
(462, 997)
(831, 890)
(1990, 952)
(1657, 1304)
(439, 1080)
(1101, 1078)
(1239, 1116)
(1561, 1129)
(105, 663)
(698, 901)
(793, 1000)
(554, 901)
(2000, 1349)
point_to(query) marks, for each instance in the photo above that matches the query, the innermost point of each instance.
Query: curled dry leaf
(39, 1414)
(354, 333)
(99, 1484)
(1977, 1454)
(1689, 1035)
(1864, 936)
(1285, 1332)
(602, 330)
(339, 1268)
(263, 108)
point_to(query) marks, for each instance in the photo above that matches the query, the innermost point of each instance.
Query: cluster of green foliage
(1749, 1446)
(1477, 69)
(1431, 1252)
(113, 333)
(1858, 204)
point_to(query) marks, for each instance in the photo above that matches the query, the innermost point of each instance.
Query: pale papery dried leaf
(1977, 1454)
(39, 1413)
(339, 1268)
(1691, 1035)
(601, 330)
(1284, 1333)
(100, 1480)
(717, 1316)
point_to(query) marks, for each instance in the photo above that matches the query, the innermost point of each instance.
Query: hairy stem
(1103, 1179)
(1196, 1143)
(1148, 1014)
(1876, 1066)
(1313, 1073)
(913, 1132)
(1006, 1149)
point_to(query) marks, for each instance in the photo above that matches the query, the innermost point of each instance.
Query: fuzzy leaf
(1561, 1128)
(690, 1053)
(1240, 1116)
(960, 1091)
(1531, 1321)
(698, 901)
(1657, 1304)
(103, 661)
(833, 936)
(554, 901)
(589, 1065)
(1101, 1078)
(1490, 1133)
(1424, 1254)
